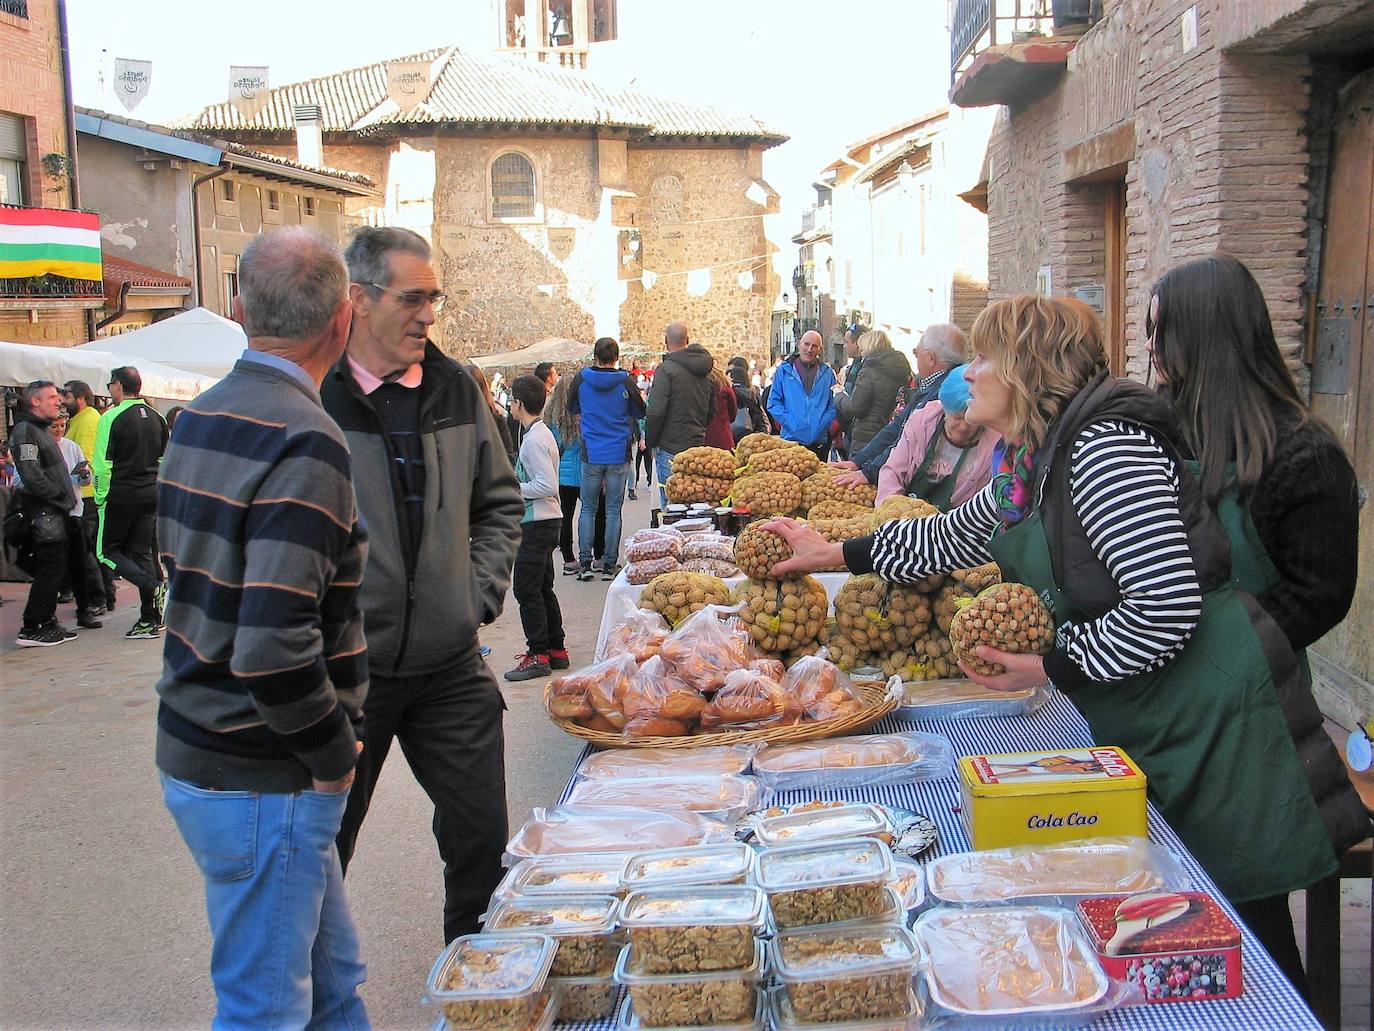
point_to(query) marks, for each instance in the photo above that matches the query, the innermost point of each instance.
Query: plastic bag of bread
(641, 572)
(592, 695)
(709, 545)
(771, 668)
(823, 689)
(639, 633)
(750, 700)
(657, 704)
(653, 542)
(703, 650)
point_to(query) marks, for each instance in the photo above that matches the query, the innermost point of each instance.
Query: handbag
(49, 527)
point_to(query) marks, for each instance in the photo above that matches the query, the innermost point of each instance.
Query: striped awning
(49, 241)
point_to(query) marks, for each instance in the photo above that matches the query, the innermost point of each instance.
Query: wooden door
(1343, 379)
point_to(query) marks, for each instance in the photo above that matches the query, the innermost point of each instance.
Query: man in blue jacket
(803, 397)
(606, 403)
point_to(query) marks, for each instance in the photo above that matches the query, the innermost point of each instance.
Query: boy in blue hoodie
(606, 403)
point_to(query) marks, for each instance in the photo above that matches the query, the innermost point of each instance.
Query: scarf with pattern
(1013, 482)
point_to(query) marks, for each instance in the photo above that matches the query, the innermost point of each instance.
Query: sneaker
(85, 619)
(484, 650)
(586, 571)
(97, 610)
(143, 631)
(65, 597)
(596, 565)
(70, 635)
(633, 495)
(530, 667)
(160, 597)
(41, 637)
(571, 568)
(609, 572)
(558, 659)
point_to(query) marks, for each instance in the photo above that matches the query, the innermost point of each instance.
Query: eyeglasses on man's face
(412, 300)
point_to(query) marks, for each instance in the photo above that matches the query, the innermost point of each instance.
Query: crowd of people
(340, 515)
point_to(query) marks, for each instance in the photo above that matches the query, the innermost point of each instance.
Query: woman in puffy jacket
(868, 405)
(749, 413)
(723, 408)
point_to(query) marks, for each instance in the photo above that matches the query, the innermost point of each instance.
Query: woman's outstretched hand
(1023, 671)
(810, 551)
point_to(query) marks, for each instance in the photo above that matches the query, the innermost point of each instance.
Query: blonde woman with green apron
(1273, 474)
(1092, 507)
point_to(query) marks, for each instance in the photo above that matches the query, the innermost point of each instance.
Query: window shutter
(12, 143)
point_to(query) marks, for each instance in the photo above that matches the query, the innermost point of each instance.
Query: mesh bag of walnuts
(768, 493)
(821, 486)
(835, 530)
(930, 657)
(752, 443)
(879, 617)
(757, 550)
(712, 462)
(676, 595)
(899, 506)
(962, 583)
(782, 614)
(839, 510)
(686, 488)
(1008, 617)
(979, 577)
(793, 458)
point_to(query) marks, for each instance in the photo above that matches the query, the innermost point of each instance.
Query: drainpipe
(195, 224)
(120, 310)
(69, 113)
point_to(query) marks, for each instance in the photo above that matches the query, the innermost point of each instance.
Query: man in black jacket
(679, 401)
(47, 495)
(442, 507)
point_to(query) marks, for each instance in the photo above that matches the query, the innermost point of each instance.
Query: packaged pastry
(909, 881)
(593, 693)
(859, 819)
(729, 863)
(708, 760)
(960, 699)
(658, 704)
(492, 980)
(749, 700)
(725, 798)
(710, 546)
(783, 1016)
(868, 760)
(711, 567)
(591, 997)
(571, 829)
(692, 1000)
(824, 690)
(1094, 866)
(628, 1020)
(582, 925)
(849, 973)
(773, 669)
(825, 882)
(1008, 960)
(704, 649)
(641, 572)
(563, 875)
(651, 543)
(695, 928)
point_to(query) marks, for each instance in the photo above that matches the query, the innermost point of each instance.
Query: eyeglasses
(414, 299)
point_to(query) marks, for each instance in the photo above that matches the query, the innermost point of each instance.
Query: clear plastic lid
(591, 874)
(694, 906)
(604, 976)
(822, 865)
(559, 916)
(843, 952)
(544, 1022)
(705, 864)
(909, 881)
(707, 761)
(729, 797)
(491, 966)
(626, 972)
(784, 1017)
(893, 912)
(628, 1021)
(843, 821)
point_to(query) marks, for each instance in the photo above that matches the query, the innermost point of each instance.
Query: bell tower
(553, 25)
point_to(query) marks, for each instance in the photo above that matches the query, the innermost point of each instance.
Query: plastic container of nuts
(731, 863)
(591, 874)
(582, 925)
(692, 1000)
(686, 930)
(894, 912)
(825, 882)
(545, 1019)
(492, 981)
(586, 998)
(783, 1017)
(850, 973)
(841, 821)
(629, 1020)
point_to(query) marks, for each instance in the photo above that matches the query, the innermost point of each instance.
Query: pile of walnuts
(793, 458)
(879, 618)
(783, 615)
(1008, 617)
(768, 493)
(711, 462)
(821, 486)
(835, 530)
(899, 506)
(839, 510)
(929, 657)
(752, 443)
(687, 488)
(758, 550)
(674, 596)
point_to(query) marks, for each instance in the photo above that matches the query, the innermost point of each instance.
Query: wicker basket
(880, 703)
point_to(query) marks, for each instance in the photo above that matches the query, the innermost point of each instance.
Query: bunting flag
(132, 80)
(248, 89)
(407, 83)
(49, 241)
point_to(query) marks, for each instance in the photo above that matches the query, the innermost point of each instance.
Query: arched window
(512, 186)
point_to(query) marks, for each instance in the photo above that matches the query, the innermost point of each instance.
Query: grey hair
(676, 334)
(291, 283)
(32, 390)
(368, 249)
(946, 342)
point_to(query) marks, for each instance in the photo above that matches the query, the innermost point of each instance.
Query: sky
(824, 72)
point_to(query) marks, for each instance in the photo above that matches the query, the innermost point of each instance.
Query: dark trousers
(644, 460)
(128, 537)
(1272, 922)
(76, 563)
(49, 563)
(99, 577)
(567, 498)
(449, 726)
(532, 583)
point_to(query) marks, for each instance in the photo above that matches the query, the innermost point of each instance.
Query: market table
(1269, 1002)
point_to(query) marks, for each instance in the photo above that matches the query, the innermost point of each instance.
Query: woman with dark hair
(748, 412)
(475, 371)
(723, 409)
(1091, 507)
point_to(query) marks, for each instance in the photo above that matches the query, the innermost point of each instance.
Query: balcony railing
(566, 57)
(18, 8)
(976, 25)
(50, 288)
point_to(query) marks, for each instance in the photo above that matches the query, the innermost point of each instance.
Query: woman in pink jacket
(941, 457)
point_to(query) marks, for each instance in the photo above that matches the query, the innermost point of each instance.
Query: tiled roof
(122, 270)
(484, 89)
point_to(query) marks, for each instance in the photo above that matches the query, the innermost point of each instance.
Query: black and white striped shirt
(1125, 489)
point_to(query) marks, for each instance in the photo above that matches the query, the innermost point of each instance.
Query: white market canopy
(198, 341)
(23, 363)
(558, 350)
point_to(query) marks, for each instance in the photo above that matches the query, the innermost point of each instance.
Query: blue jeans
(663, 465)
(286, 951)
(614, 477)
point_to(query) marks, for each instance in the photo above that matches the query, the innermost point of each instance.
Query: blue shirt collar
(275, 361)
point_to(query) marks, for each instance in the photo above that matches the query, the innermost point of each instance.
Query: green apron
(1209, 734)
(937, 492)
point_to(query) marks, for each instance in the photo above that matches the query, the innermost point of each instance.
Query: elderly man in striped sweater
(264, 665)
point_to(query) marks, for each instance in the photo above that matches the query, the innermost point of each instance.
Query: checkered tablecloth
(1269, 1001)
